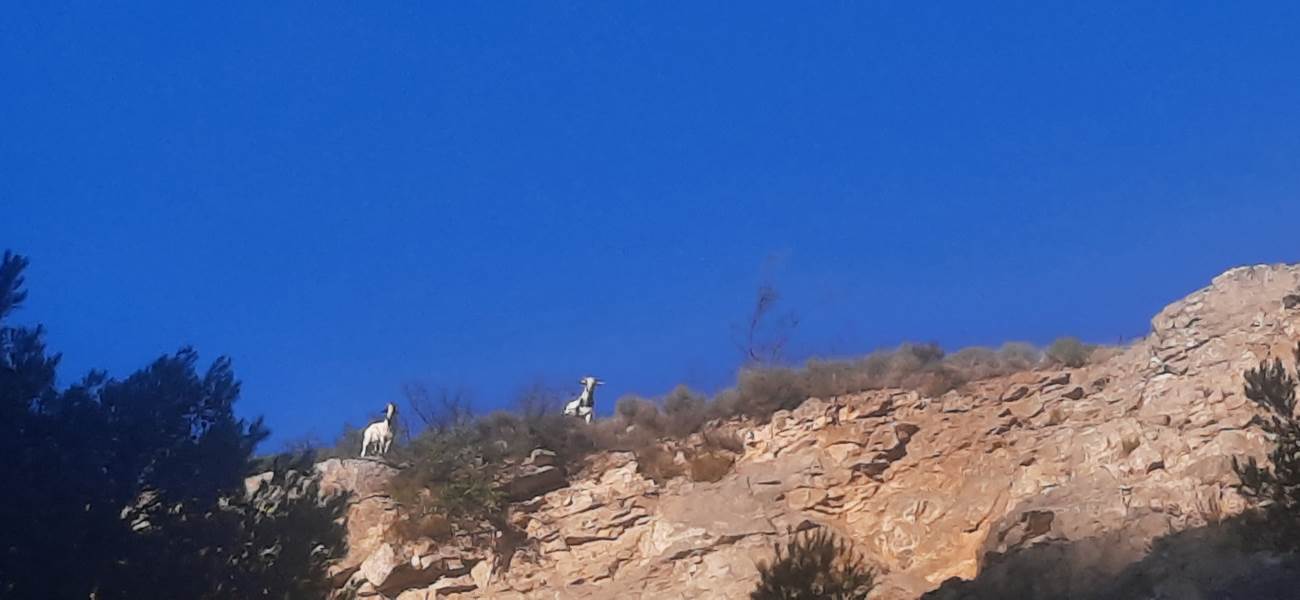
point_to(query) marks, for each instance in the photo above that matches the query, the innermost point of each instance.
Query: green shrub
(452, 474)
(814, 566)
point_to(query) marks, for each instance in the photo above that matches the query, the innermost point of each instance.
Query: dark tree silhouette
(134, 488)
(1276, 487)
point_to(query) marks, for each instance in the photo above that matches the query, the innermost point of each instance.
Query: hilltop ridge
(1085, 468)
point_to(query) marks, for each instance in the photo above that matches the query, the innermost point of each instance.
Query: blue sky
(344, 198)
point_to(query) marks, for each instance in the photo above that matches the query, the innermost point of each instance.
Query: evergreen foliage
(134, 488)
(1275, 488)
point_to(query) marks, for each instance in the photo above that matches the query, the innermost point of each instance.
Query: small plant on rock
(814, 565)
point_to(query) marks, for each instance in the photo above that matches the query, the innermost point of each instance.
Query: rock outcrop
(1096, 464)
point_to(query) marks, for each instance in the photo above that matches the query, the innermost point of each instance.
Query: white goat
(585, 404)
(379, 435)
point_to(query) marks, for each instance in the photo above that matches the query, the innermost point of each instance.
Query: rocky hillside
(1087, 468)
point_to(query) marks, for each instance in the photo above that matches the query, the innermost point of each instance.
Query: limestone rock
(530, 482)
(1078, 473)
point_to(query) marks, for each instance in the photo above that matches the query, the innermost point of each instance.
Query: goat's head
(590, 382)
(389, 410)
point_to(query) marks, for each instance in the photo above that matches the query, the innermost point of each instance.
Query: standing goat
(585, 404)
(379, 435)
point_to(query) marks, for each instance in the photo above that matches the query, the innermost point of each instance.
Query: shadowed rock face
(1088, 467)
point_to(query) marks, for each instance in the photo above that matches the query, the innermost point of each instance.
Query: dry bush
(685, 412)
(608, 434)
(1019, 356)
(616, 435)
(432, 526)
(1101, 354)
(511, 434)
(934, 382)
(639, 422)
(830, 378)
(516, 436)
(976, 362)
(927, 353)
(720, 439)
(710, 466)
(1069, 352)
(639, 412)
(759, 392)
(657, 464)
(763, 391)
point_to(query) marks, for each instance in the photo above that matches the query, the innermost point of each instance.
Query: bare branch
(765, 336)
(439, 408)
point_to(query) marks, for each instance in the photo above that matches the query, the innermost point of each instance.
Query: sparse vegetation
(724, 440)
(1069, 352)
(761, 391)
(814, 565)
(456, 461)
(710, 466)
(452, 474)
(657, 464)
(685, 411)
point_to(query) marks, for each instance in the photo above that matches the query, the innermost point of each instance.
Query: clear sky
(347, 196)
